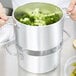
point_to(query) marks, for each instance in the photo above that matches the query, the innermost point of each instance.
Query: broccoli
(37, 18)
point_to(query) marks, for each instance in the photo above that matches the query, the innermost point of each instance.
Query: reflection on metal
(41, 53)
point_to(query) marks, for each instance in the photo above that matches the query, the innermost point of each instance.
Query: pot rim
(43, 25)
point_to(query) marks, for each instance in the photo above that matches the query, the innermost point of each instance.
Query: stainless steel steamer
(39, 46)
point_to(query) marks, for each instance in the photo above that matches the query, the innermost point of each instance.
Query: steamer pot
(39, 46)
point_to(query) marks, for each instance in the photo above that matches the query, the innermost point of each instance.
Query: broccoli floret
(37, 18)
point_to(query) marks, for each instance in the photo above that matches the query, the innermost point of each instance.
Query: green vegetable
(73, 72)
(74, 64)
(37, 18)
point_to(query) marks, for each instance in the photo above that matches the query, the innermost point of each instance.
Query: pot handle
(66, 16)
(16, 47)
(66, 33)
(10, 42)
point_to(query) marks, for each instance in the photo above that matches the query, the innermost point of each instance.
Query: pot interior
(44, 7)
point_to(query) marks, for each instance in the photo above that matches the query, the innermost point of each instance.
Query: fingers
(3, 17)
(73, 17)
(71, 6)
(72, 10)
(1, 5)
(2, 22)
(1, 9)
(73, 14)
(2, 13)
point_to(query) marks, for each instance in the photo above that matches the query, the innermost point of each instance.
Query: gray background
(6, 3)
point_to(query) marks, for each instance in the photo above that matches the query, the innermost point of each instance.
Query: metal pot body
(39, 37)
(39, 64)
(39, 45)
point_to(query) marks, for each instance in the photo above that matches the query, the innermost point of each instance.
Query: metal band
(41, 53)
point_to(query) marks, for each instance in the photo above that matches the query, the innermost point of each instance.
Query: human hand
(3, 17)
(72, 9)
